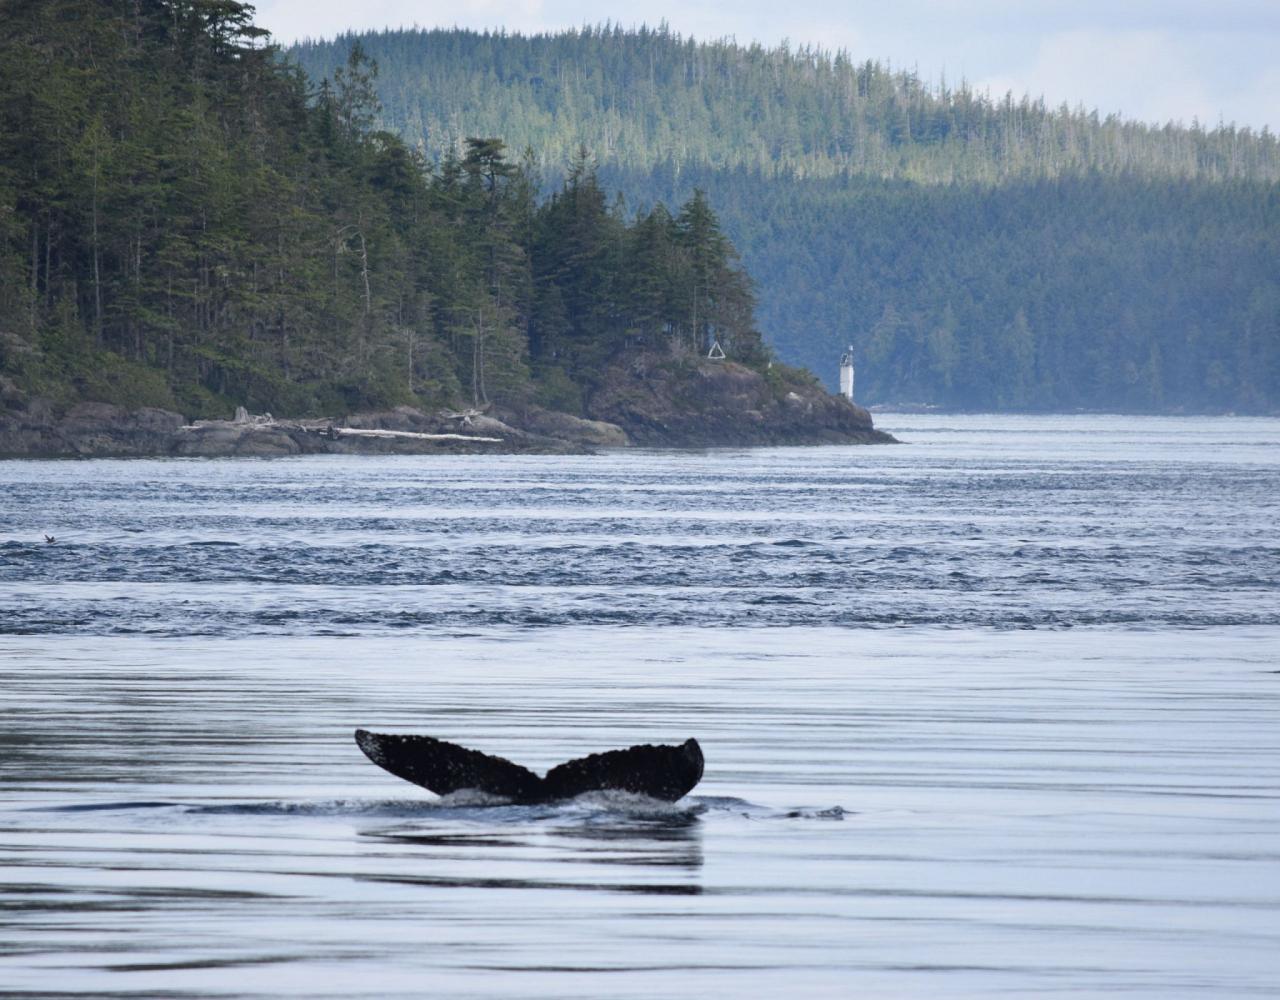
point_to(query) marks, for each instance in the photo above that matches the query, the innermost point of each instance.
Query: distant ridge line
(644, 97)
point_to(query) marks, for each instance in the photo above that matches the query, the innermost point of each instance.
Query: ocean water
(992, 713)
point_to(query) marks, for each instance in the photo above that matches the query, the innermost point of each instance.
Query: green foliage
(978, 252)
(185, 220)
(111, 377)
(648, 97)
(66, 368)
(1091, 292)
(557, 391)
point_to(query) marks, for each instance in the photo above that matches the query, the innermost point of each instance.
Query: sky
(1149, 60)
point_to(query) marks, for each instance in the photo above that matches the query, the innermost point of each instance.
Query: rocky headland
(662, 401)
(648, 401)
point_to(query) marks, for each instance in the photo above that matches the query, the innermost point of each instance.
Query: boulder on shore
(568, 428)
(226, 438)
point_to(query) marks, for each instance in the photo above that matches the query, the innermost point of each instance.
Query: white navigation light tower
(846, 373)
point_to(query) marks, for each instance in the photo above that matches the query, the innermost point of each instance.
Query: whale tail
(661, 772)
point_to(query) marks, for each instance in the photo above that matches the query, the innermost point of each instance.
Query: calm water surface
(994, 713)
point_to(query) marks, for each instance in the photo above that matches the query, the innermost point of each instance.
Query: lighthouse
(846, 373)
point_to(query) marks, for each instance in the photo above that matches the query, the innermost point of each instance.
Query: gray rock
(154, 421)
(225, 439)
(401, 418)
(577, 430)
(98, 429)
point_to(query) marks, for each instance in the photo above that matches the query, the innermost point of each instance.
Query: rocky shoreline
(692, 405)
(663, 402)
(100, 430)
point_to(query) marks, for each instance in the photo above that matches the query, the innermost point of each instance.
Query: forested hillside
(1089, 291)
(978, 252)
(638, 98)
(187, 222)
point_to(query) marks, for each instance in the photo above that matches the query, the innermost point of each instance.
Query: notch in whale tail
(661, 772)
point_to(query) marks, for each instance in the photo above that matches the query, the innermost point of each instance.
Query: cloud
(1053, 16)
(1258, 101)
(1143, 74)
(1151, 76)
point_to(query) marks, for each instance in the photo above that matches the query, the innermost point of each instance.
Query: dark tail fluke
(446, 767)
(662, 772)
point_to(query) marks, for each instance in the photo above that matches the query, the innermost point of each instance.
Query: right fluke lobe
(659, 771)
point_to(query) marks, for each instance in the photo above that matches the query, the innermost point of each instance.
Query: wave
(467, 805)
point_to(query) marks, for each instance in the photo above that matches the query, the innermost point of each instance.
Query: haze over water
(994, 712)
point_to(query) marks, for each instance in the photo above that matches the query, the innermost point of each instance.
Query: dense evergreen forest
(978, 252)
(647, 96)
(187, 221)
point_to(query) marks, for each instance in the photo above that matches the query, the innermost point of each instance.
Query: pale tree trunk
(364, 274)
(35, 272)
(97, 268)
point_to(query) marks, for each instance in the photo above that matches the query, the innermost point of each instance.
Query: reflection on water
(958, 813)
(1082, 805)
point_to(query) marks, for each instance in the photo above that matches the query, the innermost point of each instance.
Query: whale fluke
(661, 772)
(446, 767)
